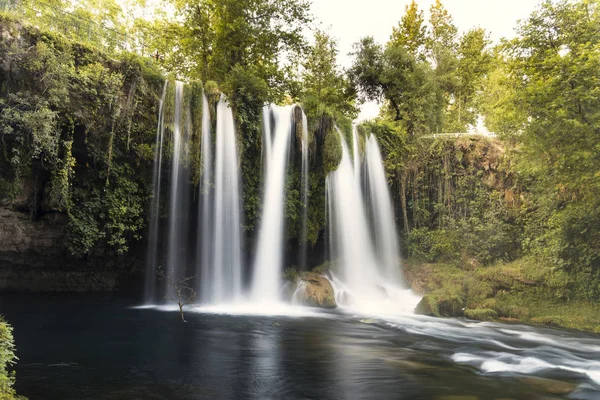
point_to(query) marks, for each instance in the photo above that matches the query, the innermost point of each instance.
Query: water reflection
(99, 348)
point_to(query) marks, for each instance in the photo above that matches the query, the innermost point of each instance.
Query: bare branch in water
(182, 293)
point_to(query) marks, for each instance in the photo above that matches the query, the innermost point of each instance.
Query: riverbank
(521, 291)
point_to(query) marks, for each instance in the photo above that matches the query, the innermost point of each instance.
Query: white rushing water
(152, 251)
(382, 215)
(368, 265)
(501, 348)
(304, 191)
(205, 244)
(266, 282)
(177, 225)
(225, 275)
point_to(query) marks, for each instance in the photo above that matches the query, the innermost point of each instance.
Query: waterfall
(304, 191)
(352, 246)
(361, 231)
(177, 231)
(152, 251)
(205, 243)
(224, 283)
(356, 157)
(367, 276)
(268, 263)
(386, 241)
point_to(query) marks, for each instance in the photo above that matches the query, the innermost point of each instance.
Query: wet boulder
(427, 306)
(314, 290)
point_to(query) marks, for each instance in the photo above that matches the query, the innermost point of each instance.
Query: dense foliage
(80, 122)
(7, 360)
(548, 86)
(70, 123)
(534, 191)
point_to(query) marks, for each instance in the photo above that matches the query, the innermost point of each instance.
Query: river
(103, 347)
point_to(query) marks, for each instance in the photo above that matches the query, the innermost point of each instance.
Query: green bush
(481, 314)
(432, 245)
(7, 359)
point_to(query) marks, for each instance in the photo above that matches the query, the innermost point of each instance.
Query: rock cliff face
(33, 257)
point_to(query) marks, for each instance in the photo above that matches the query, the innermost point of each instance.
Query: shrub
(7, 359)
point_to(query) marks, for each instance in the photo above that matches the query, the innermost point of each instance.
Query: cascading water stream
(386, 240)
(356, 159)
(225, 281)
(152, 251)
(177, 232)
(362, 237)
(368, 265)
(351, 245)
(266, 282)
(205, 245)
(304, 191)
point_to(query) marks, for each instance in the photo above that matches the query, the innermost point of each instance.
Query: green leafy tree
(407, 85)
(474, 62)
(555, 64)
(499, 102)
(411, 32)
(442, 51)
(326, 90)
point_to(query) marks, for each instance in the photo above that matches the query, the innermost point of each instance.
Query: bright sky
(350, 20)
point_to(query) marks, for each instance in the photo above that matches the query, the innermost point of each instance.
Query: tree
(411, 32)
(498, 101)
(326, 90)
(443, 31)
(555, 65)
(407, 85)
(224, 39)
(474, 62)
(441, 47)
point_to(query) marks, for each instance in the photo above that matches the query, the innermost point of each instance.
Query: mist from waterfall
(367, 273)
(268, 262)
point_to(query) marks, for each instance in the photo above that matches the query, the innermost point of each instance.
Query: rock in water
(315, 291)
(427, 306)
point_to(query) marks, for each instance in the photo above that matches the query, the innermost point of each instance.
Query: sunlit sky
(349, 20)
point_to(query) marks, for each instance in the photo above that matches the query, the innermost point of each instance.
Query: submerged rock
(549, 385)
(314, 290)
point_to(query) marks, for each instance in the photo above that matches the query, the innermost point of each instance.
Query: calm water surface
(102, 347)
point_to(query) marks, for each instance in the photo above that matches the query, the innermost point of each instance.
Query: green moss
(449, 304)
(428, 306)
(481, 314)
(524, 290)
(291, 274)
(332, 151)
